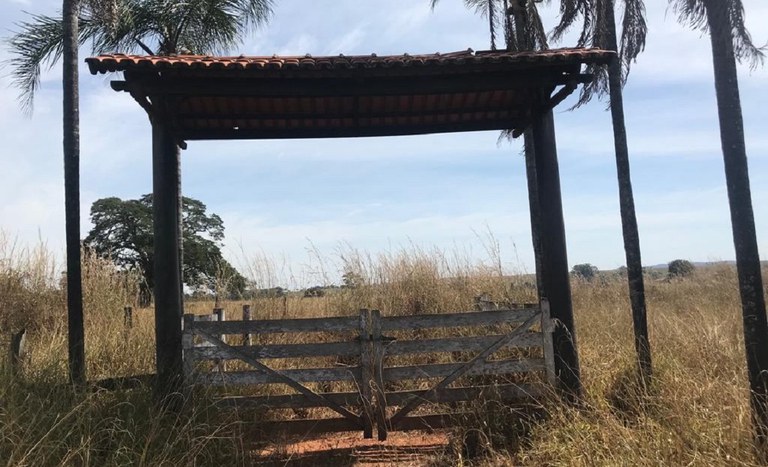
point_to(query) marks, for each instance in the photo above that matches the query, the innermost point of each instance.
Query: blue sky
(281, 198)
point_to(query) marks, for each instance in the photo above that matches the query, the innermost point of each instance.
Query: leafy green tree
(585, 271)
(680, 268)
(122, 231)
(724, 20)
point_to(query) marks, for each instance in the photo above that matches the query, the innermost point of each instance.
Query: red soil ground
(402, 449)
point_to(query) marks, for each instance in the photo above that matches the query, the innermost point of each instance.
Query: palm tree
(71, 132)
(599, 30)
(200, 26)
(731, 42)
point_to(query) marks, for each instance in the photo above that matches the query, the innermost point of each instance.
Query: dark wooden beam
(167, 242)
(316, 115)
(350, 132)
(339, 87)
(555, 280)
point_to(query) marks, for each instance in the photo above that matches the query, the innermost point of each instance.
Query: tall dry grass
(695, 413)
(43, 421)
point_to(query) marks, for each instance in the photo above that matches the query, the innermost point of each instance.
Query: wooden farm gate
(369, 370)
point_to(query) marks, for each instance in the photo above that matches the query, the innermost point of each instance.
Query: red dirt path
(403, 449)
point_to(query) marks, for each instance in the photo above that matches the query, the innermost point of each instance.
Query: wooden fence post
(247, 317)
(18, 351)
(220, 315)
(187, 344)
(546, 331)
(128, 317)
(366, 373)
(378, 361)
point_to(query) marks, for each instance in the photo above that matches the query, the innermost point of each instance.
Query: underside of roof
(202, 97)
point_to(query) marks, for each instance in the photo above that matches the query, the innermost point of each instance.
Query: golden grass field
(696, 412)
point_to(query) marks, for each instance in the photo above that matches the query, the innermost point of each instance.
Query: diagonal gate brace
(283, 379)
(429, 395)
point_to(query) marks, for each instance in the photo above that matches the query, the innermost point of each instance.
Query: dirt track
(404, 449)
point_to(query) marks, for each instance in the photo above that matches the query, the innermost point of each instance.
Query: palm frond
(634, 30)
(694, 13)
(37, 45)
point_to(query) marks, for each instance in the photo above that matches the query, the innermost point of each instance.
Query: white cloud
(376, 192)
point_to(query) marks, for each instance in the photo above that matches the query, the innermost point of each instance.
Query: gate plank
(442, 370)
(464, 319)
(505, 392)
(290, 401)
(325, 349)
(271, 326)
(463, 369)
(302, 375)
(460, 344)
(280, 376)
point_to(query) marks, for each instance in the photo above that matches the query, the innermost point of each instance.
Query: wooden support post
(168, 300)
(555, 280)
(247, 317)
(128, 317)
(366, 373)
(378, 376)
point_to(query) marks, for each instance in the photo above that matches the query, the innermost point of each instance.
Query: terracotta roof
(120, 62)
(202, 97)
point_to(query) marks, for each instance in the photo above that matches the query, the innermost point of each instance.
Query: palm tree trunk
(742, 217)
(627, 204)
(71, 120)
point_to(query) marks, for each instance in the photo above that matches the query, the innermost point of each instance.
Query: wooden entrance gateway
(390, 369)
(190, 97)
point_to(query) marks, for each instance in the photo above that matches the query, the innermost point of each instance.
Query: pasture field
(695, 413)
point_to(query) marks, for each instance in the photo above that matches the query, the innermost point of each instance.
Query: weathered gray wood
(546, 330)
(302, 375)
(326, 349)
(505, 392)
(17, 351)
(477, 361)
(440, 370)
(378, 381)
(366, 365)
(219, 315)
(188, 350)
(282, 378)
(247, 317)
(291, 401)
(464, 319)
(331, 324)
(304, 427)
(460, 344)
